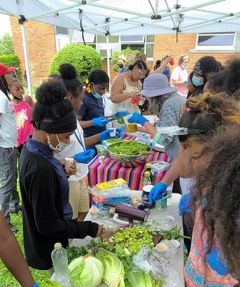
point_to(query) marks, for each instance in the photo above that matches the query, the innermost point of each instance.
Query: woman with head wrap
(44, 186)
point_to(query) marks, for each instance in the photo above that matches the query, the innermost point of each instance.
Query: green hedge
(83, 57)
(130, 56)
(11, 60)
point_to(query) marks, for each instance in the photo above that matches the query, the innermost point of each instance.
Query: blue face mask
(197, 82)
(97, 96)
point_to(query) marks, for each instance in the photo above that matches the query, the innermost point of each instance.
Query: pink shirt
(23, 117)
(180, 74)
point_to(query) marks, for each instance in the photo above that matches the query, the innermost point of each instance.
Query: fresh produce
(174, 233)
(128, 148)
(137, 278)
(48, 283)
(132, 239)
(113, 269)
(75, 252)
(113, 140)
(86, 272)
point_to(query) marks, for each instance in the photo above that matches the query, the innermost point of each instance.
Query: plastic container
(60, 266)
(145, 194)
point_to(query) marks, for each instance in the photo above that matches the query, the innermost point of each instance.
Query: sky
(5, 25)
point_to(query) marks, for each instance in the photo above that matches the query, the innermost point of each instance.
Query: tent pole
(108, 59)
(25, 50)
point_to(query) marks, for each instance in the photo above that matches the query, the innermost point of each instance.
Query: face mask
(197, 82)
(96, 95)
(59, 147)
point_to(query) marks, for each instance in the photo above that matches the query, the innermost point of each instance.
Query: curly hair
(206, 113)
(222, 179)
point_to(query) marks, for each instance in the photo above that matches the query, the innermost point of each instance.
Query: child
(91, 114)
(222, 179)
(78, 183)
(23, 113)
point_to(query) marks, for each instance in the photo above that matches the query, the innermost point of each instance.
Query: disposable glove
(106, 134)
(157, 192)
(121, 114)
(137, 118)
(216, 262)
(85, 157)
(100, 121)
(184, 204)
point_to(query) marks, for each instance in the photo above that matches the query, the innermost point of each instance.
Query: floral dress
(197, 271)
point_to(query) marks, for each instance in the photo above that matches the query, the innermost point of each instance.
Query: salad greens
(75, 252)
(129, 148)
(113, 140)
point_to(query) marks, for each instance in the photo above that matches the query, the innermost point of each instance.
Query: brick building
(42, 45)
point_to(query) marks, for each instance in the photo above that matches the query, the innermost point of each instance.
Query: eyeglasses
(142, 76)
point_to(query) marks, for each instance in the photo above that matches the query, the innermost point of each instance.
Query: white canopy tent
(127, 17)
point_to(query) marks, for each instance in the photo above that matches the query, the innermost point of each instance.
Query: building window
(132, 39)
(216, 41)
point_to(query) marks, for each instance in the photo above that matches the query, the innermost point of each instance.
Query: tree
(84, 58)
(130, 54)
(6, 45)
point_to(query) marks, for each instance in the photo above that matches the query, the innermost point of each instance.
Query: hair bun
(67, 71)
(51, 92)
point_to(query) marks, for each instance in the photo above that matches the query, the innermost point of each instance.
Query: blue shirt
(44, 151)
(92, 108)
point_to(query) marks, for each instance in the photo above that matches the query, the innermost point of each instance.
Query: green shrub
(6, 45)
(11, 60)
(130, 55)
(83, 57)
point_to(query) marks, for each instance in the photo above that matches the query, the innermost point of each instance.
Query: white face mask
(59, 147)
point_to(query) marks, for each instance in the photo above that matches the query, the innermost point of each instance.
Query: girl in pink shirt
(23, 111)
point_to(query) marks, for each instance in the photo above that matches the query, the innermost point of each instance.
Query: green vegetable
(141, 279)
(86, 272)
(75, 252)
(48, 283)
(113, 269)
(113, 140)
(129, 148)
(174, 233)
(131, 239)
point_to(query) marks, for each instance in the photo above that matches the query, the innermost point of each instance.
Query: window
(103, 39)
(216, 41)
(132, 39)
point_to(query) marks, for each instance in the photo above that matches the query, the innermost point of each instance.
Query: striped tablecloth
(109, 169)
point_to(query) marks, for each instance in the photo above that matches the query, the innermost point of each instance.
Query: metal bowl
(129, 159)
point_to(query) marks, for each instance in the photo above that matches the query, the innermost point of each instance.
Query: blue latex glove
(105, 135)
(35, 285)
(157, 192)
(184, 204)
(85, 157)
(137, 118)
(100, 121)
(216, 262)
(121, 114)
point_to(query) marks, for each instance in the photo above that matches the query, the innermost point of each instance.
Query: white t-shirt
(180, 74)
(8, 125)
(76, 145)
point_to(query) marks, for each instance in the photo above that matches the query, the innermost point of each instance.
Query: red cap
(4, 69)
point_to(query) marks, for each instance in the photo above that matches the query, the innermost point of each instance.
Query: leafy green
(75, 252)
(137, 278)
(129, 148)
(113, 269)
(113, 140)
(174, 233)
(86, 272)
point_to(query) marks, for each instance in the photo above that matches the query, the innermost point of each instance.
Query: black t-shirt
(92, 108)
(43, 217)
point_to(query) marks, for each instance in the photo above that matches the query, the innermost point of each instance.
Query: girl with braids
(222, 213)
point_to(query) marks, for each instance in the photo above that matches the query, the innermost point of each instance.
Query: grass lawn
(6, 278)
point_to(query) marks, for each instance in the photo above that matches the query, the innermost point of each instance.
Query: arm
(162, 66)
(47, 219)
(84, 124)
(117, 94)
(90, 141)
(12, 256)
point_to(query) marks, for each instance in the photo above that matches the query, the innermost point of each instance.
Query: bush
(6, 45)
(11, 61)
(84, 58)
(130, 55)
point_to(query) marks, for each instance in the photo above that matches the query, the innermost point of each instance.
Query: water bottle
(60, 266)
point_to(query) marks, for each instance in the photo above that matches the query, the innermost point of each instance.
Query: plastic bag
(150, 261)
